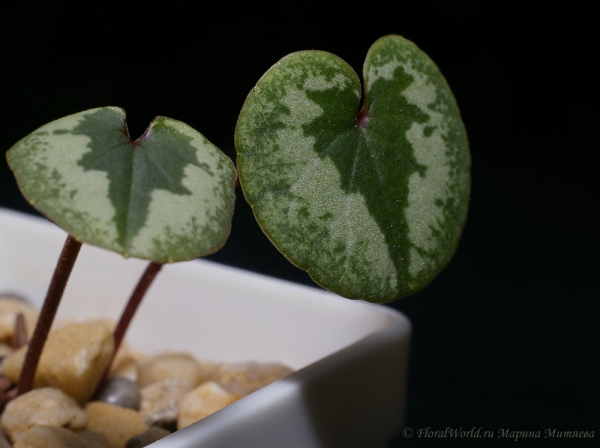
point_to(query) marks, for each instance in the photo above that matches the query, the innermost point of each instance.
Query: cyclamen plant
(365, 188)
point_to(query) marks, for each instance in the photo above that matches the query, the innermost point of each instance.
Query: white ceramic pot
(350, 356)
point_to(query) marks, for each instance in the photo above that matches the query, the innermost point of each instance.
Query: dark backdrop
(506, 338)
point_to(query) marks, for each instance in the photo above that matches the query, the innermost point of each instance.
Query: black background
(507, 336)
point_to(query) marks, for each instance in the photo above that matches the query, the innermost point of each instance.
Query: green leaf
(372, 201)
(166, 197)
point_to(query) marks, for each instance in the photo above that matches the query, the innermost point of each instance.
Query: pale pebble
(202, 401)
(45, 406)
(208, 367)
(116, 423)
(127, 370)
(125, 363)
(170, 365)
(159, 401)
(44, 436)
(74, 359)
(245, 378)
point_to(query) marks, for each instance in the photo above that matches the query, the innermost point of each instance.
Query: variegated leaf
(167, 196)
(370, 201)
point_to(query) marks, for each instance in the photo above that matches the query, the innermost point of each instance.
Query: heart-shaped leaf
(167, 196)
(370, 201)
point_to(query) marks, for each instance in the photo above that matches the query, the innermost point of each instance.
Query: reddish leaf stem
(138, 294)
(63, 269)
(135, 299)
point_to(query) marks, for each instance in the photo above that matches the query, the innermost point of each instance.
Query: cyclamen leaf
(166, 197)
(370, 203)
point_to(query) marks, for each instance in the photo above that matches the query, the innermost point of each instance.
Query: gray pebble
(149, 436)
(120, 392)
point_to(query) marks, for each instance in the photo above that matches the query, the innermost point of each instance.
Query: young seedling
(167, 196)
(365, 187)
(367, 192)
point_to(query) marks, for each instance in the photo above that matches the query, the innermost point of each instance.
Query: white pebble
(204, 400)
(245, 378)
(170, 365)
(160, 401)
(46, 406)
